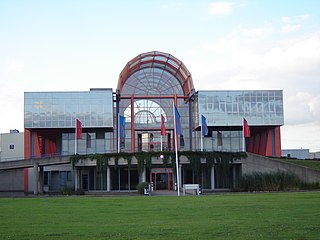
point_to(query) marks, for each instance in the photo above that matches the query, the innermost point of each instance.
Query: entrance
(85, 182)
(162, 178)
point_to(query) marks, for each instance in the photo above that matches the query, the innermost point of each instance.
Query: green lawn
(307, 163)
(228, 216)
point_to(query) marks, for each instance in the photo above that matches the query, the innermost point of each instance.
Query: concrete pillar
(35, 178)
(143, 176)
(212, 178)
(76, 179)
(234, 175)
(41, 179)
(180, 176)
(108, 179)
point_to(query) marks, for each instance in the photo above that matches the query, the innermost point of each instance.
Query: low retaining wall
(257, 163)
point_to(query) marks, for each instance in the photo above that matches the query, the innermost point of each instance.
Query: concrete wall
(257, 163)
(11, 180)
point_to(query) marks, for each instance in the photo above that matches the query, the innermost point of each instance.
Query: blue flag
(177, 123)
(122, 126)
(204, 126)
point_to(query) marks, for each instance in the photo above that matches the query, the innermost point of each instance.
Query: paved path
(164, 193)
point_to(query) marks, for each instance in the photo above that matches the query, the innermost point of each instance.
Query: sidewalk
(164, 193)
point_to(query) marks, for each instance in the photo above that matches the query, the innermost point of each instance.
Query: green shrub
(71, 191)
(67, 191)
(141, 186)
(273, 181)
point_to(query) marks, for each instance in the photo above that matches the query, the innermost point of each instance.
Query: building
(296, 153)
(11, 145)
(129, 119)
(11, 148)
(314, 155)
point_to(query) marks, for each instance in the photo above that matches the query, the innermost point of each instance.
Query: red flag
(163, 128)
(246, 129)
(78, 129)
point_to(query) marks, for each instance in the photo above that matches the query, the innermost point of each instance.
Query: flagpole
(243, 138)
(118, 132)
(75, 140)
(176, 148)
(161, 131)
(201, 141)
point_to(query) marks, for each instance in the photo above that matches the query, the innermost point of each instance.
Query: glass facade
(151, 81)
(227, 108)
(90, 143)
(61, 109)
(147, 123)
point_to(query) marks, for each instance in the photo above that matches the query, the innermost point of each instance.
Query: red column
(36, 146)
(269, 143)
(27, 154)
(277, 142)
(262, 149)
(256, 143)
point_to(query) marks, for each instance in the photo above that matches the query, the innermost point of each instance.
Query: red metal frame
(167, 63)
(154, 97)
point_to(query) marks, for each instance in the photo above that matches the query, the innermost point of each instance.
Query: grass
(230, 216)
(307, 163)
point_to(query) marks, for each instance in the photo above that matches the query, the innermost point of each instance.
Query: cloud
(297, 108)
(293, 23)
(295, 19)
(16, 66)
(302, 136)
(314, 106)
(220, 8)
(255, 33)
(290, 28)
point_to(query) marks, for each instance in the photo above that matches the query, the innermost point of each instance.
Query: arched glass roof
(153, 74)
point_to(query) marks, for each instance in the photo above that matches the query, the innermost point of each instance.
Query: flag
(204, 126)
(219, 138)
(163, 128)
(122, 126)
(246, 128)
(177, 123)
(78, 129)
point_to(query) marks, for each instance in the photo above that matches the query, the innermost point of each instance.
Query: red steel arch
(160, 60)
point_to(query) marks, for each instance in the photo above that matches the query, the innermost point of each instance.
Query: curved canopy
(155, 65)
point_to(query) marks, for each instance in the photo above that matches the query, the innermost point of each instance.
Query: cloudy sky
(226, 45)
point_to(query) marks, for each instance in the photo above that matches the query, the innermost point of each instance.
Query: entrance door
(162, 178)
(85, 181)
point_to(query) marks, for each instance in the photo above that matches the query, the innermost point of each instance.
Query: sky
(226, 45)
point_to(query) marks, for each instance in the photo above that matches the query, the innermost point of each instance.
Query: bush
(70, 191)
(141, 186)
(273, 181)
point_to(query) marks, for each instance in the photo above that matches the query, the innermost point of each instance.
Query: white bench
(191, 187)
